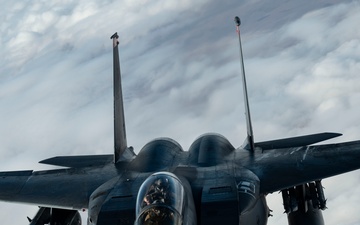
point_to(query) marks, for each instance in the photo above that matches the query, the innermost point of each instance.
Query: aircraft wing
(283, 168)
(63, 188)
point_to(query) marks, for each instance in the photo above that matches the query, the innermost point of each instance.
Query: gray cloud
(180, 67)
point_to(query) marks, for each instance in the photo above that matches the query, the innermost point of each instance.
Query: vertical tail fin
(120, 143)
(249, 142)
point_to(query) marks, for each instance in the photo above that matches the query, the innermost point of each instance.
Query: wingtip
(334, 134)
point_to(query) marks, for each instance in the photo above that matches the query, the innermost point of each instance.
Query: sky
(181, 78)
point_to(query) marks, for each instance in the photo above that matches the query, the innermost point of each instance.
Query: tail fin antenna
(120, 143)
(249, 142)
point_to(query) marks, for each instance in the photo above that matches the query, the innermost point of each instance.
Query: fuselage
(216, 187)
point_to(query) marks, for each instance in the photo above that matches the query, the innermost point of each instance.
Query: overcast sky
(180, 66)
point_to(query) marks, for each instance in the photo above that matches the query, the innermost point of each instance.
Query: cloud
(180, 76)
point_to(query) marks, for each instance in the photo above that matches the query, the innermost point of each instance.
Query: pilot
(157, 192)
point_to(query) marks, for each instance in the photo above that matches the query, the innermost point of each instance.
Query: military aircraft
(211, 183)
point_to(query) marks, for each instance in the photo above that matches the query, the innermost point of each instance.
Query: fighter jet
(211, 183)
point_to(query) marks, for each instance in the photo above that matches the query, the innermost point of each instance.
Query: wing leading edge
(296, 141)
(82, 161)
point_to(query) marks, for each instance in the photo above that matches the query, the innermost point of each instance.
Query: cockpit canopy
(161, 189)
(161, 200)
